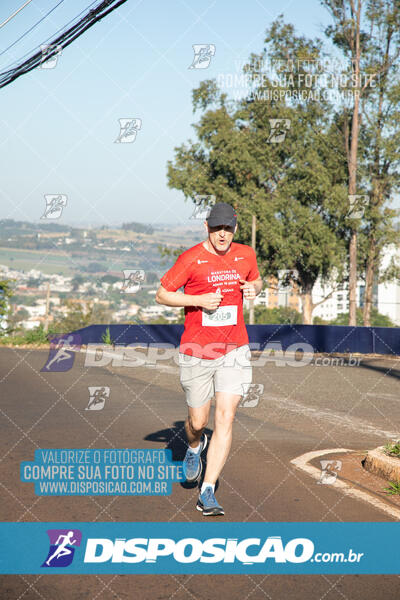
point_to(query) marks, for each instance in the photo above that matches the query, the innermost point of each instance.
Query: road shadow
(174, 439)
(386, 370)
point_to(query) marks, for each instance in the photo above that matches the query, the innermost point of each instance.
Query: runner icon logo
(202, 206)
(62, 550)
(132, 280)
(50, 54)
(62, 353)
(128, 129)
(329, 471)
(55, 204)
(279, 129)
(98, 395)
(251, 394)
(202, 55)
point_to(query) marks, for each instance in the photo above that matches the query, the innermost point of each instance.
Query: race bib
(223, 315)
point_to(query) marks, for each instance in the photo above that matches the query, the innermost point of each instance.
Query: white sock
(205, 484)
(196, 450)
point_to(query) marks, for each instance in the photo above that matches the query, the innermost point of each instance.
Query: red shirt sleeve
(177, 276)
(254, 272)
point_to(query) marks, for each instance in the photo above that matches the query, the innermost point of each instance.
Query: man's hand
(210, 301)
(249, 290)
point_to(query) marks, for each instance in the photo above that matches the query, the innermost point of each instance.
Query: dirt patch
(353, 472)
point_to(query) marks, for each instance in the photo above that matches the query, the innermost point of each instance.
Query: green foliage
(110, 279)
(5, 294)
(277, 315)
(297, 189)
(95, 267)
(19, 337)
(392, 449)
(167, 252)
(79, 316)
(319, 321)
(152, 277)
(21, 315)
(106, 337)
(26, 300)
(76, 281)
(36, 336)
(377, 319)
(393, 489)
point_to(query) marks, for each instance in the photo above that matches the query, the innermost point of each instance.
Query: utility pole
(46, 318)
(253, 245)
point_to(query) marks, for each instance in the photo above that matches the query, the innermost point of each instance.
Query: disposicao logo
(190, 550)
(61, 551)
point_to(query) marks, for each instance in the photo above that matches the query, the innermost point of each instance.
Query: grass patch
(392, 448)
(32, 336)
(106, 337)
(393, 489)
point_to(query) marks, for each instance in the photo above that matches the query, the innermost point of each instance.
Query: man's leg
(196, 422)
(194, 426)
(220, 444)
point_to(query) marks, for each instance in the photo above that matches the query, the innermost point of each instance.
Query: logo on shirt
(239, 258)
(201, 261)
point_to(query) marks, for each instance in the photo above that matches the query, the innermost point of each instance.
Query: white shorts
(201, 378)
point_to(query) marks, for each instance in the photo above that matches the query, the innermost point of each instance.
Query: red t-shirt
(201, 272)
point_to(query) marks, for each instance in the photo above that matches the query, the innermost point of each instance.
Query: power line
(94, 15)
(33, 26)
(15, 13)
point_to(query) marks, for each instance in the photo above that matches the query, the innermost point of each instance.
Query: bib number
(223, 315)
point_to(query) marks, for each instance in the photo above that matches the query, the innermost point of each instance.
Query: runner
(214, 355)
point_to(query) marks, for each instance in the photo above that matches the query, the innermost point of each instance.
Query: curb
(379, 463)
(302, 462)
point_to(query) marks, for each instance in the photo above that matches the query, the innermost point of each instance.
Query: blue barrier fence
(323, 338)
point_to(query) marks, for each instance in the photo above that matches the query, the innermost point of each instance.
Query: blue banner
(203, 547)
(323, 338)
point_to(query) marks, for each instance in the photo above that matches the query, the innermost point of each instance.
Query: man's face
(221, 236)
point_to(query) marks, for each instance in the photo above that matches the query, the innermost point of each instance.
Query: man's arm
(208, 301)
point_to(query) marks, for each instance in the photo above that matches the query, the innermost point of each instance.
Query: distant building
(276, 294)
(385, 296)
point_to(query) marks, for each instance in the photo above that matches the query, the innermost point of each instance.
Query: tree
(346, 34)
(78, 316)
(76, 281)
(5, 294)
(367, 33)
(296, 189)
(380, 111)
(95, 267)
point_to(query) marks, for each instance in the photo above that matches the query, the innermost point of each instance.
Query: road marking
(394, 397)
(354, 423)
(301, 462)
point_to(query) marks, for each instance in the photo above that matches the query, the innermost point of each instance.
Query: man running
(214, 354)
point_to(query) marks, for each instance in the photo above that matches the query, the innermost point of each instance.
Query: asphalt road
(301, 409)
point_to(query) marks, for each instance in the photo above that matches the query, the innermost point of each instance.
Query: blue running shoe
(208, 504)
(192, 465)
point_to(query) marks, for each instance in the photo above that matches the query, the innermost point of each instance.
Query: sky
(59, 125)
